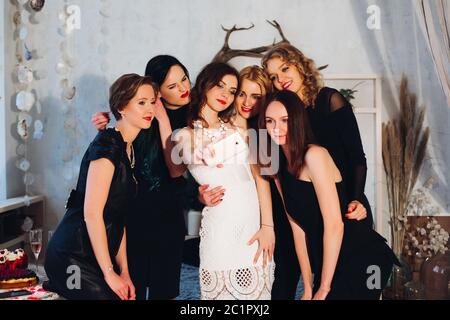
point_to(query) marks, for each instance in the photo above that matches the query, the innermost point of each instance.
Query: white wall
(2, 105)
(332, 32)
(13, 186)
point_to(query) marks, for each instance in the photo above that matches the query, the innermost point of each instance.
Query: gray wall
(2, 104)
(332, 32)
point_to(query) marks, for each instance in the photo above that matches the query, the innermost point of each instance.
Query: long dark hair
(151, 162)
(210, 76)
(299, 134)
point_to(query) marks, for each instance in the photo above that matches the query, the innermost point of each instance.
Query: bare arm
(99, 180)
(165, 131)
(266, 234)
(300, 249)
(323, 175)
(265, 199)
(97, 188)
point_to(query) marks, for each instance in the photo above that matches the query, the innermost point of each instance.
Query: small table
(37, 292)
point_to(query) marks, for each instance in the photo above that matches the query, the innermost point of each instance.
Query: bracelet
(266, 225)
(110, 269)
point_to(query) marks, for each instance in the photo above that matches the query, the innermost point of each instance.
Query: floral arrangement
(427, 240)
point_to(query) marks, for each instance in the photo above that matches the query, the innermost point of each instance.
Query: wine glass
(50, 235)
(36, 244)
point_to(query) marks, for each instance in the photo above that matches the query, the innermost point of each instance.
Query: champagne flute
(36, 244)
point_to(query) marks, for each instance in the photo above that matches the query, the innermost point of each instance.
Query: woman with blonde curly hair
(254, 86)
(332, 121)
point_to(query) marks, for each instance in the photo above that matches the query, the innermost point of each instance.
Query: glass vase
(395, 290)
(435, 275)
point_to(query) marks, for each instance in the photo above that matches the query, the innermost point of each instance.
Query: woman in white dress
(235, 233)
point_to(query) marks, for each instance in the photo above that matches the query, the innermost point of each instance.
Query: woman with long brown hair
(334, 126)
(230, 264)
(349, 259)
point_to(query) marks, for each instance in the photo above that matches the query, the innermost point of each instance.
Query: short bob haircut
(124, 89)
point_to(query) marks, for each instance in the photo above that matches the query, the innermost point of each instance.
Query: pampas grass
(404, 148)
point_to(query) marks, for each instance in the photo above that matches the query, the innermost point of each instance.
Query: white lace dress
(227, 271)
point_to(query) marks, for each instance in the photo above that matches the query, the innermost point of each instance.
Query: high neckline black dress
(155, 226)
(70, 245)
(335, 128)
(361, 247)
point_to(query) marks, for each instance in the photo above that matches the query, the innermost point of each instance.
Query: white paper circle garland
(25, 101)
(26, 95)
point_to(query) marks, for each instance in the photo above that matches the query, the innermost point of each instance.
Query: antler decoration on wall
(226, 53)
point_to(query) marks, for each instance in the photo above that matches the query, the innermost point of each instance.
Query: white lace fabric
(226, 260)
(252, 283)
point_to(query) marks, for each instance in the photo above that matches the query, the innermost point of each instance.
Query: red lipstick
(185, 95)
(244, 109)
(286, 85)
(148, 118)
(223, 102)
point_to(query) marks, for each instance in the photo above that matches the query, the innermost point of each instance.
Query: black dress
(361, 250)
(287, 270)
(70, 245)
(156, 227)
(335, 128)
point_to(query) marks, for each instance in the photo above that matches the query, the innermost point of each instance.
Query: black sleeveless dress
(363, 250)
(336, 129)
(70, 247)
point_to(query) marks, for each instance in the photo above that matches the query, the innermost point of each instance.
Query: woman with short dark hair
(91, 240)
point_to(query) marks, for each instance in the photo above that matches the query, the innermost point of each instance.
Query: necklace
(131, 159)
(212, 134)
(132, 162)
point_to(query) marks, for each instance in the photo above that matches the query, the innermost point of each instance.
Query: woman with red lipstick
(348, 263)
(163, 191)
(92, 237)
(230, 267)
(332, 120)
(334, 126)
(254, 86)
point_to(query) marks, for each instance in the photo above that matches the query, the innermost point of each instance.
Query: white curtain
(434, 20)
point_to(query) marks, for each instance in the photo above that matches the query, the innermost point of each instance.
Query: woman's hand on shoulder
(160, 110)
(100, 120)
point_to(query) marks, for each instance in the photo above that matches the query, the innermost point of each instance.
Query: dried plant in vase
(404, 148)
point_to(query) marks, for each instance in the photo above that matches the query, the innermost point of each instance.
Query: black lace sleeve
(346, 126)
(107, 144)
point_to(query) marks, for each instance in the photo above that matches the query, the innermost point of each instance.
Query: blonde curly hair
(312, 80)
(258, 75)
